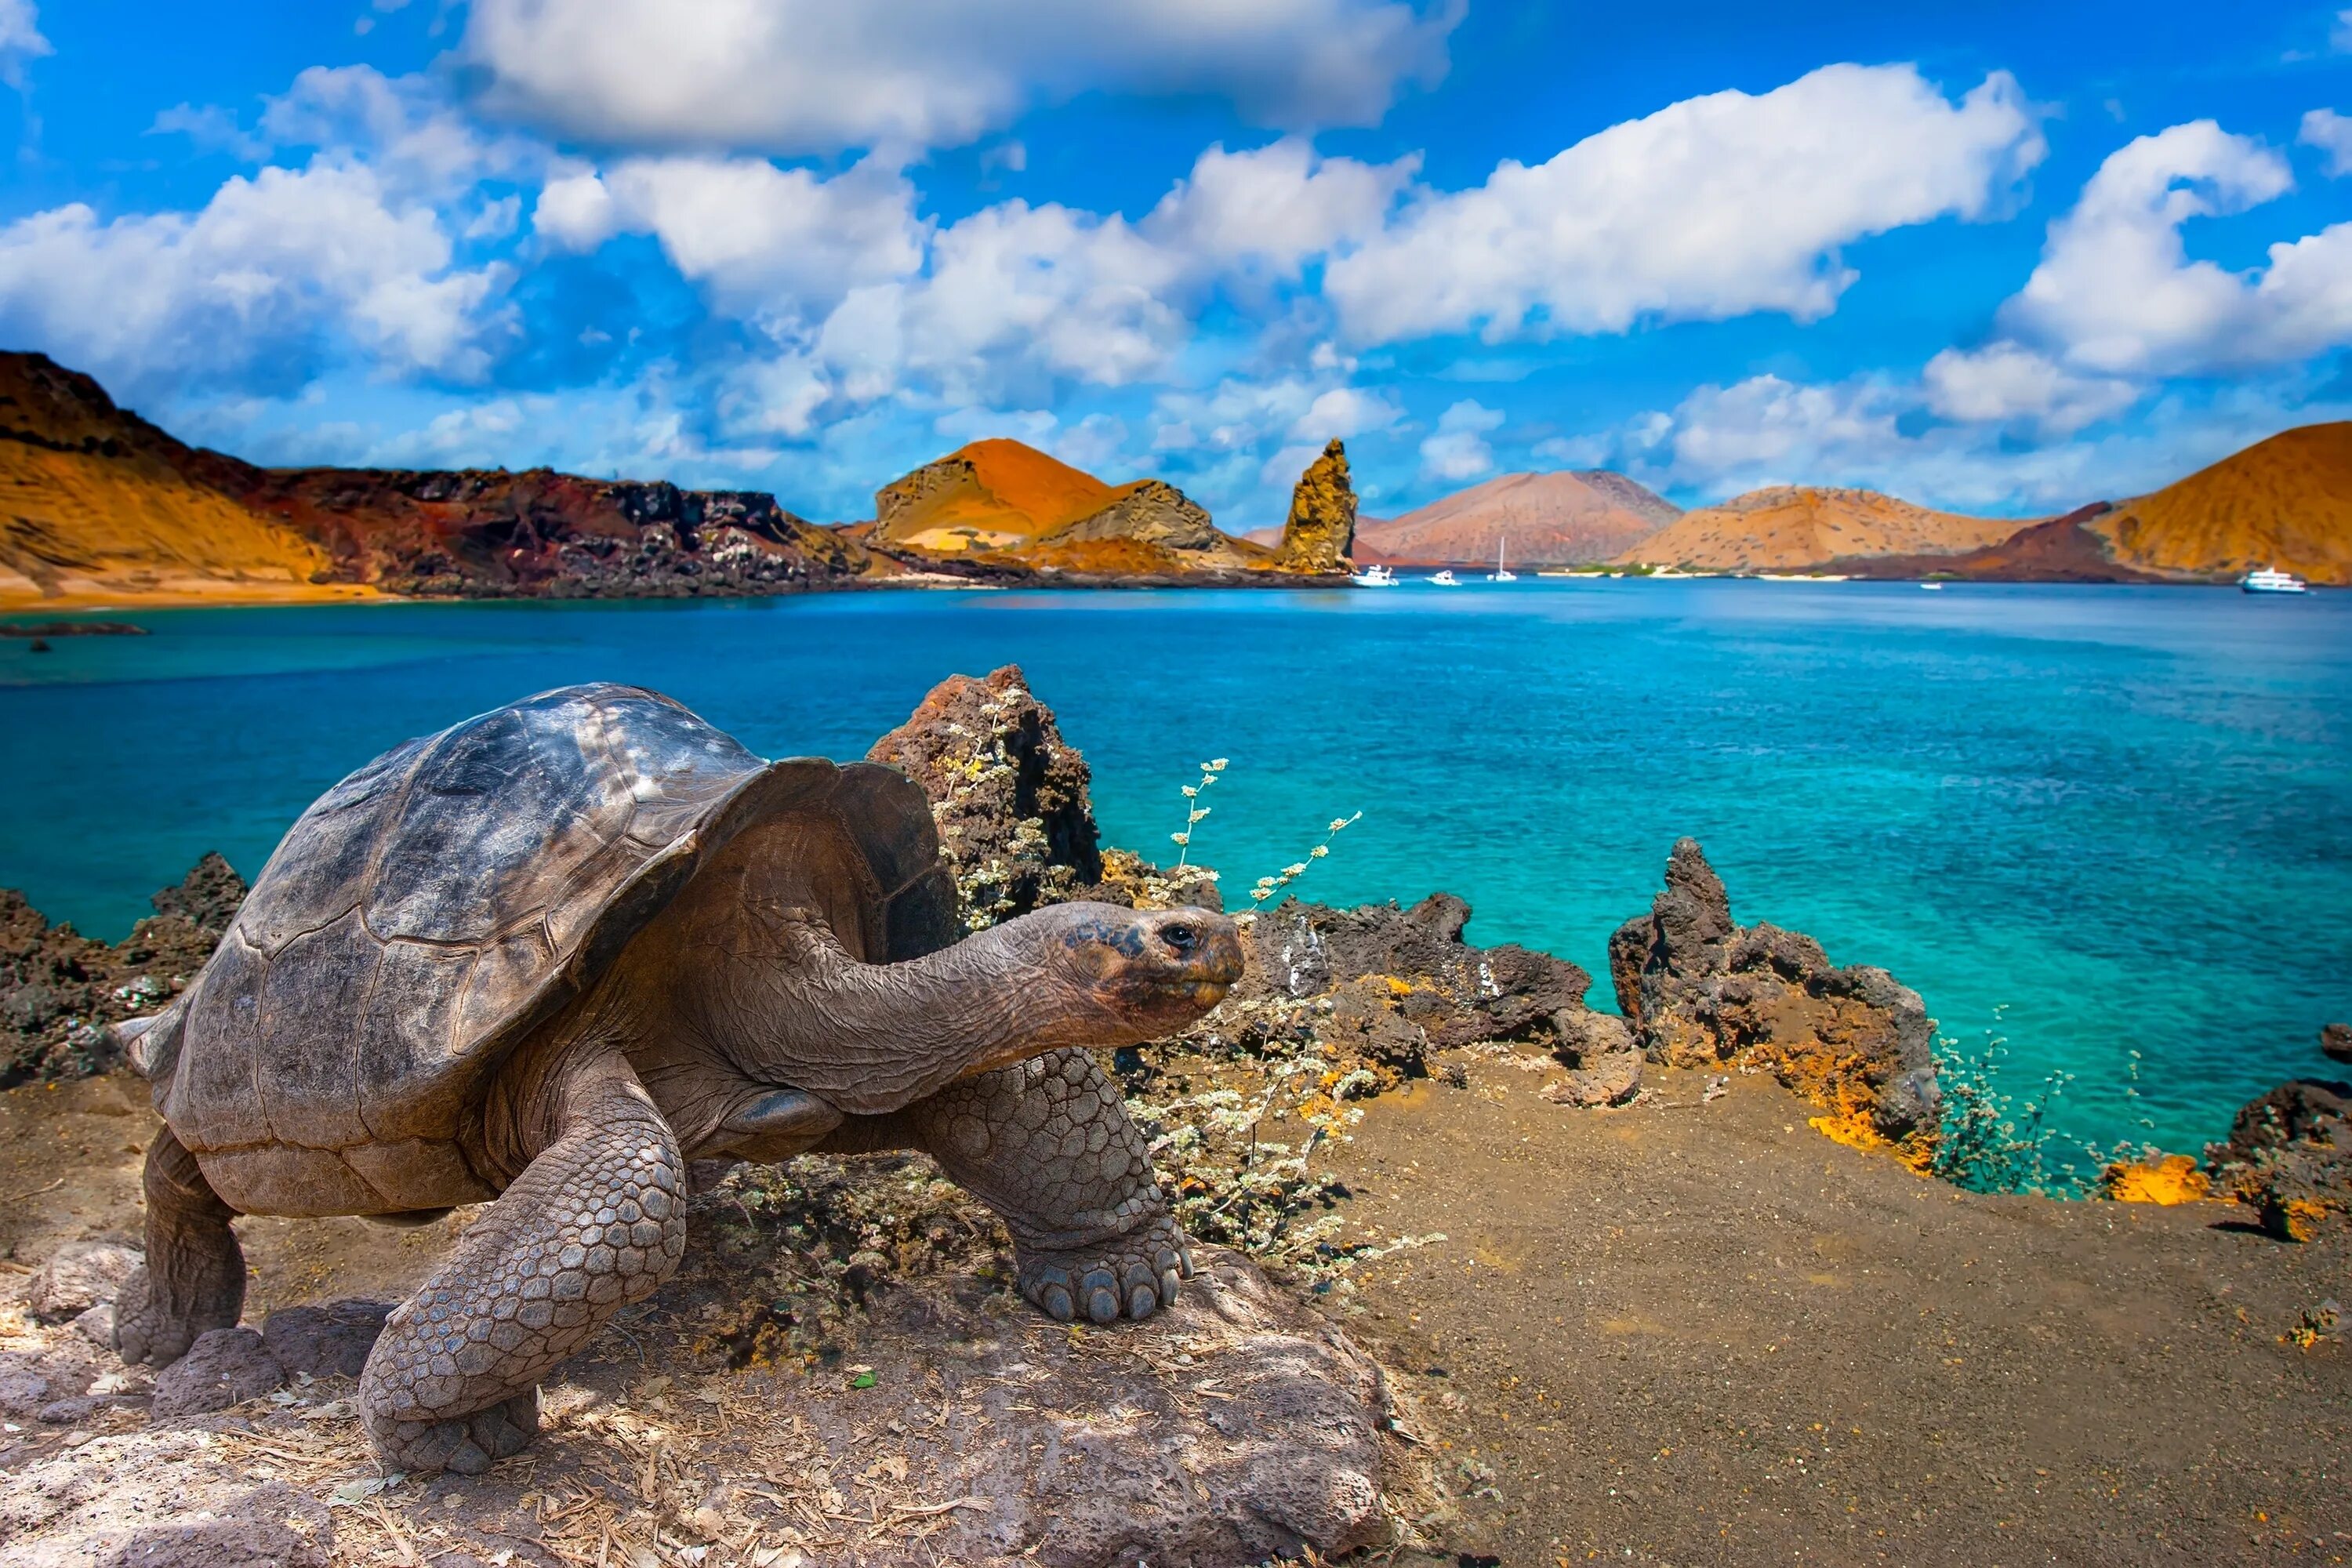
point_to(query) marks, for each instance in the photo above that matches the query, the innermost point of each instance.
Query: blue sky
(1990, 255)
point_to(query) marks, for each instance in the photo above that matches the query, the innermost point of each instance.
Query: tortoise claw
(1131, 1275)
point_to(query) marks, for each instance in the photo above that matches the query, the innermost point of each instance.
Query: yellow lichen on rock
(1321, 529)
(2164, 1179)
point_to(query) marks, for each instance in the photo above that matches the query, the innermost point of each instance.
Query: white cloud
(2005, 383)
(1459, 450)
(1276, 206)
(1345, 411)
(763, 238)
(798, 77)
(250, 286)
(405, 129)
(20, 40)
(2116, 294)
(210, 127)
(1712, 207)
(2332, 133)
(2340, 37)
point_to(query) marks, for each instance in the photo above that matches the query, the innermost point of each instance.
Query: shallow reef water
(2092, 820)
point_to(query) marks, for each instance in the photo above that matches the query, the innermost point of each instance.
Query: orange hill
(1793, 527)
(2284, 502)
(1543, 519)
(95, 504)
(1000, 502)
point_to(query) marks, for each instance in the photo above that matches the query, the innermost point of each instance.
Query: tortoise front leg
(594, 1222)
(1048, 1145)
(194, 1278)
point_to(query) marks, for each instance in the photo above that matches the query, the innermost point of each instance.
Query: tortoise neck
(795, 1008)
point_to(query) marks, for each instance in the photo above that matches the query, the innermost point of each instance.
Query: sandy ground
(1698, 1333)
(1682, 1332)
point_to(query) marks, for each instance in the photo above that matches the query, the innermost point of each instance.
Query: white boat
(1374, 576)
(1444, 579)
(1501, 574)
(1933, 587)
(2271, 579)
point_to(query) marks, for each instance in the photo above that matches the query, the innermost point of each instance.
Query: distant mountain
(97, 503)
(1568, 519)
(1792, 527)
(2066, 549)
(1000, 503)
(2284, 502)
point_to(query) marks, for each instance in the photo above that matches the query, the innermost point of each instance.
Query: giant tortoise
(552, 954)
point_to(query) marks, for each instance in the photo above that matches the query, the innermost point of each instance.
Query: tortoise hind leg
(194, 1278)
(594, 1222)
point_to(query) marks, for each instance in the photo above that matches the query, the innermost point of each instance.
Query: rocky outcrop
(1385, 989)
(2289, 1157)
(1010, 796)
(542, 534)
(58, 989)
(1700, 991)
(1149, 511)
(1321, 529)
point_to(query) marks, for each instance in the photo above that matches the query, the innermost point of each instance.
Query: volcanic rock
(224, 1367)
(2289, 1157)
(1538, 520)
(1010, 796)
(2336, 1042)
(1703, 991)
(332, 1341)
(1321, 528)
(78, 1277)
(58, 989)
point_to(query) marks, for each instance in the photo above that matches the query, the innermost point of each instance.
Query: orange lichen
(2164, 1179)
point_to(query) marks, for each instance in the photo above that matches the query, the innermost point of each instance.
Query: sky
(1990, 255)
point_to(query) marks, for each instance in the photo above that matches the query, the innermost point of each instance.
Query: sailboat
(1501, 574)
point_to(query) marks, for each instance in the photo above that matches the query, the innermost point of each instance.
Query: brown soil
(1698, 1333)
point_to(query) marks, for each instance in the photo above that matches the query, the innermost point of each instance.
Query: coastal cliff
(97, 503)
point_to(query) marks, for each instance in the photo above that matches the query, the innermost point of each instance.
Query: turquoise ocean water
(2120, 817)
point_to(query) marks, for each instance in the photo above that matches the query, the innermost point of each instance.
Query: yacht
(2271, 579)
(1444, 579)
(1374, 576)
(1501, 574)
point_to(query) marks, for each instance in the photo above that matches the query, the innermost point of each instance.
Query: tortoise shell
(433, 909)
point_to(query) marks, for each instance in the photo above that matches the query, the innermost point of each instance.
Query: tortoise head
(1153, 971)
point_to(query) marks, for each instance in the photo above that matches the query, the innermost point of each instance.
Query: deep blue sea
(2113, 819)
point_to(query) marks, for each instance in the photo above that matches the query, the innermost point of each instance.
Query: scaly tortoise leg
(1048, 1145)
(194, 1278)
(594, 1222)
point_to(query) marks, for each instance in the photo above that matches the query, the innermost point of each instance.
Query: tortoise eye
(1179, 937)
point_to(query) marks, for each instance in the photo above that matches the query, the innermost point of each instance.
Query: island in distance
(100, 507)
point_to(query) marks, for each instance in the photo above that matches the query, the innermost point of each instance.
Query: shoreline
(15, 605)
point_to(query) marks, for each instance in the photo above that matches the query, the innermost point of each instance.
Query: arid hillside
(1568, 519)
(2284, 503)
(95, 502)
(97, 505)
(1792, 527)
